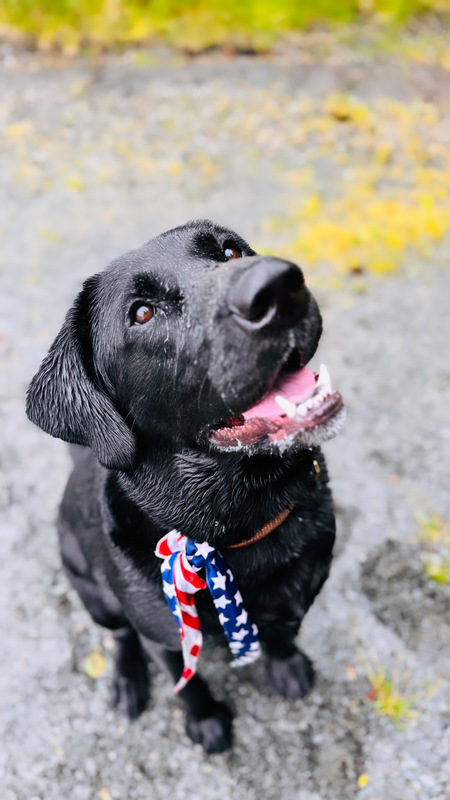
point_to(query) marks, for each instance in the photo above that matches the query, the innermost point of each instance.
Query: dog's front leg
(209, 722)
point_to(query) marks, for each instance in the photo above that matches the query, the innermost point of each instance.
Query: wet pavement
(94, 160)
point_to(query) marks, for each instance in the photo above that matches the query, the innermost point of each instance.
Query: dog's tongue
(296, 387)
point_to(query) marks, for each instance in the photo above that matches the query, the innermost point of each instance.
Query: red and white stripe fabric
(181, 592)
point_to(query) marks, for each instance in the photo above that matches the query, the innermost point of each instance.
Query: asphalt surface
(96, 159)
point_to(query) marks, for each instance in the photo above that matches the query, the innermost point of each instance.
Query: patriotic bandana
(183, 559)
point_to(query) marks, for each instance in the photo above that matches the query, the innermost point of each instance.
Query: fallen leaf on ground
(94, 664)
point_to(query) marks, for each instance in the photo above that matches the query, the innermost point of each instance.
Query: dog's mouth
(301, 410)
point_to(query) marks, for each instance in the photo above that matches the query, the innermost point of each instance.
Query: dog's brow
(205, 245)
(149, 286)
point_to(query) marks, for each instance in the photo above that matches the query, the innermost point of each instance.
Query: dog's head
(192, 340)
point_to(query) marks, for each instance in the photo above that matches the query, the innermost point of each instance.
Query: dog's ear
(65, 397)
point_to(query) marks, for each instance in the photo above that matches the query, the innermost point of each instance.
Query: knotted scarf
(183, 559)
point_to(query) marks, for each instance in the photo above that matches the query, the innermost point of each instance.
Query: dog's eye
(231, 252)
(142, 314)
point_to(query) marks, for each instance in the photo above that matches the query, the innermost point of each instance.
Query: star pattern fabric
(182, 561)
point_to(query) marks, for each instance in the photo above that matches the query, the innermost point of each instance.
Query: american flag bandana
(183, 559)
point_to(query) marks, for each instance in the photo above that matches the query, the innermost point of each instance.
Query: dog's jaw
(301, 410)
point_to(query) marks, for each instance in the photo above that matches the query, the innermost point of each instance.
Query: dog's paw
(292, 677)
(214, 733)
(130, 691)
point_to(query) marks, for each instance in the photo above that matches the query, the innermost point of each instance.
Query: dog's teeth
(324, 377)
(302, 410)
(286, 405)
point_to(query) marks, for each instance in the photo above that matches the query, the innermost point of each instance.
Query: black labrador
(181, 371)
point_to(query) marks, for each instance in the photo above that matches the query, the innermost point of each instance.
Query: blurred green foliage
(190, 24)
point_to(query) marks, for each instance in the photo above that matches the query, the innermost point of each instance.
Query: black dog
(181, 369)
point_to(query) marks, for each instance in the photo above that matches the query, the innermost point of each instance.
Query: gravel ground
(96, 159)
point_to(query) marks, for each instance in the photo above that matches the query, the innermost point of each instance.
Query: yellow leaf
(94, 665)
(50, 236)
(437, 568)
(175, 168)
(74, 182)
(363, 780)
(18, 129)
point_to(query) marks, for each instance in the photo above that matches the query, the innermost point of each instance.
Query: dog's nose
(270, 294)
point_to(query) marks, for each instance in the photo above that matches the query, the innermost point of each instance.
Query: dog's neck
(222, 497)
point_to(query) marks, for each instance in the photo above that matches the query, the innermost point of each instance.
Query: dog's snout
(270, 294)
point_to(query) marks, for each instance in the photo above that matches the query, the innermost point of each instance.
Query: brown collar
(267, 528)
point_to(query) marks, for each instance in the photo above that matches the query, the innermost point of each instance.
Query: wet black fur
(140, 399)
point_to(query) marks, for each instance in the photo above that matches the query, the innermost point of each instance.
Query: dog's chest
(267, 599)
